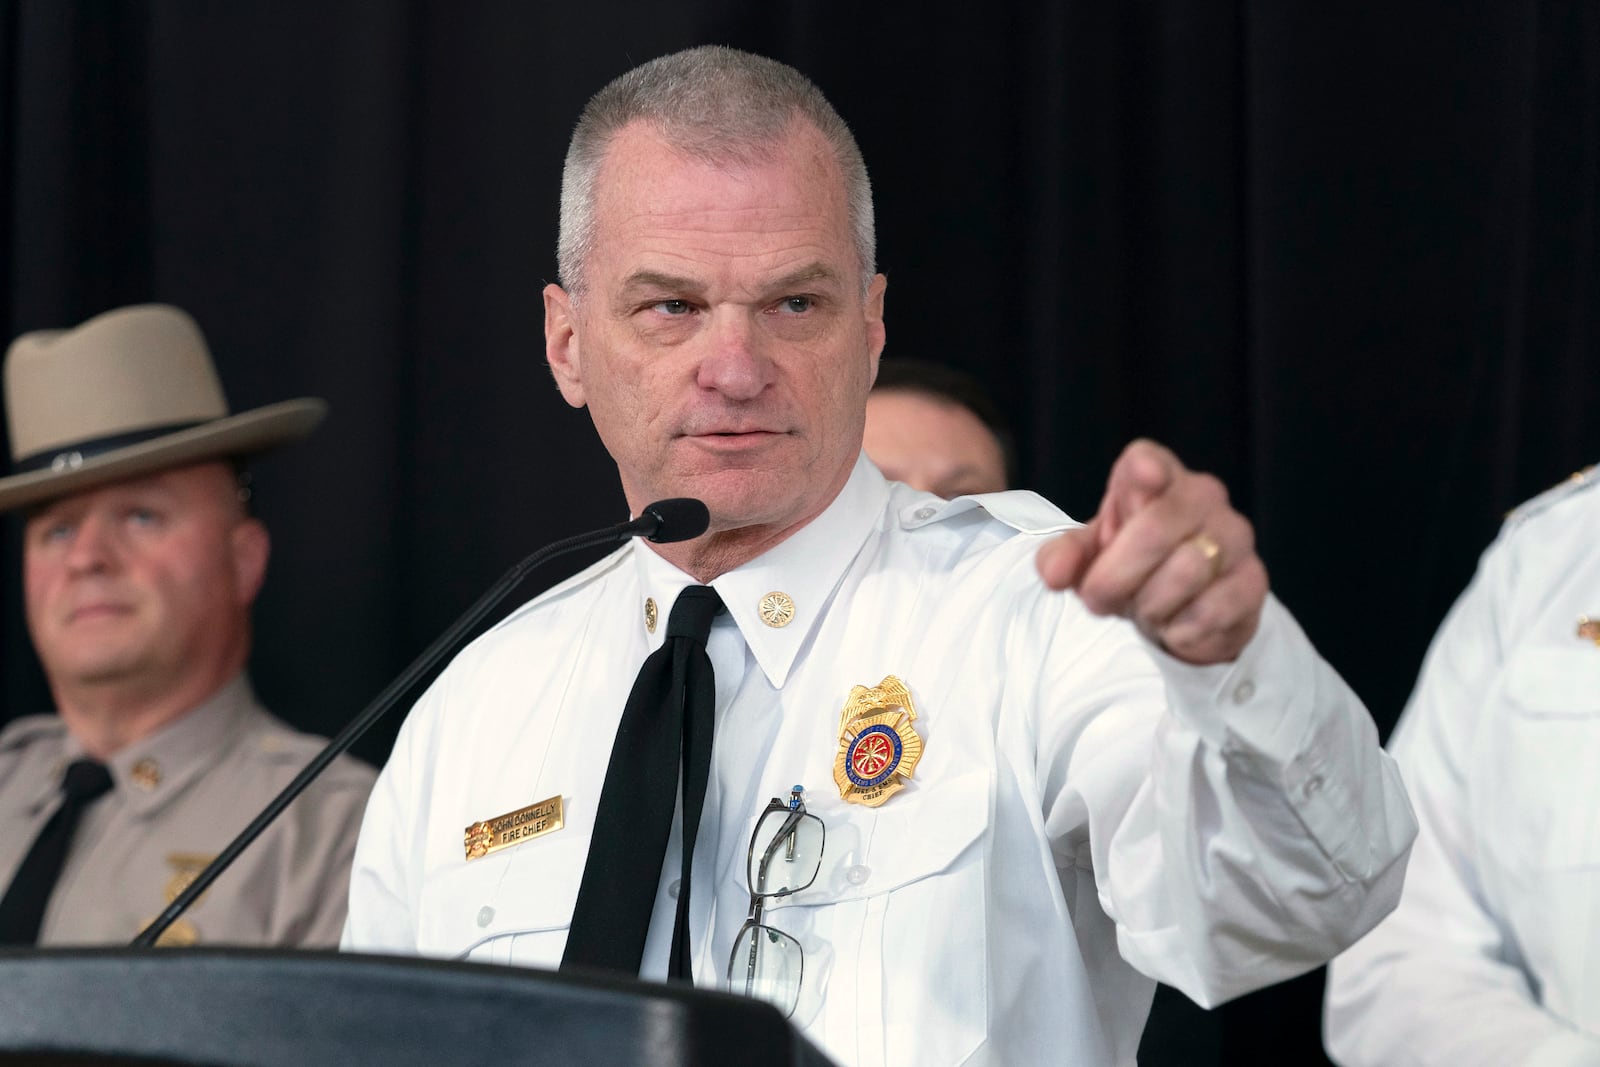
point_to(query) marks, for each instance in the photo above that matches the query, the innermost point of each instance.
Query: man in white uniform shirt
(1154, 777)
(1493, 956)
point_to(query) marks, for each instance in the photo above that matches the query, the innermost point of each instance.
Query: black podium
(266, 1008)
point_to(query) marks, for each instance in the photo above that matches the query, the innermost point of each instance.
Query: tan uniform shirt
(179, 796)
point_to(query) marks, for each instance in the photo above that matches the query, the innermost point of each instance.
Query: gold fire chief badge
(877, 744)
(514, 827)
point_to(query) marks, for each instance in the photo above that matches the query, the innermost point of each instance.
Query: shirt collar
(48, 787)
(806, 568)
(154, 769)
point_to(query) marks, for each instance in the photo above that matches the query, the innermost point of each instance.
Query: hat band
(71, 457)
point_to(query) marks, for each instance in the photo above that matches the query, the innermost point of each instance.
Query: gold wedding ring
(1207, 546)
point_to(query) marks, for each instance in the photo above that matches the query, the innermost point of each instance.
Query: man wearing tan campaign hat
(140, 564)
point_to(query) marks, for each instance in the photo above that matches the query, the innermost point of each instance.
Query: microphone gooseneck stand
(665, 521)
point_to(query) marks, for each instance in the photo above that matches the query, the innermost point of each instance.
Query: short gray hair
(715, 104)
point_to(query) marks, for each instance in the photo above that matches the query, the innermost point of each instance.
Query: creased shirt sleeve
(1244, 824)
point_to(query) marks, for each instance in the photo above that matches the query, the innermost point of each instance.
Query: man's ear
(251, 545)
(561, 344)
(876, 334)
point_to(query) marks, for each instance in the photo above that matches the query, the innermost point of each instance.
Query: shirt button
(672, 890)
(485, 915)
(1244, 691)
(923, 513)
(1312, 786)
(858, 874)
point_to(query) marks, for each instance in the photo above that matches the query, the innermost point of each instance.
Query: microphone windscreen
(678, 519)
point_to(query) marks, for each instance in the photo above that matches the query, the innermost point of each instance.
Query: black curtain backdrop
(1342, 255)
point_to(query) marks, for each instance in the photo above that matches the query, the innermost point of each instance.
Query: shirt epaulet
(591, 573)
(24, 731)
(278, 745)
(1579, 482)
(1021, 509)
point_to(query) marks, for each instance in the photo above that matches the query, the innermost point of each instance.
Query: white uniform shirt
(1493, 956)
(1064, 830)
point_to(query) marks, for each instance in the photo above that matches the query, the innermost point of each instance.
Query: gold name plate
(515, 827)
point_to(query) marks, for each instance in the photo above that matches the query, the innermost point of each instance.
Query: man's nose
(93, 547)
(737, 365)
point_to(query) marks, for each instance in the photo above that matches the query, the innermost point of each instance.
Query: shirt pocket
(1548, 758)
(511, 907)
(895, 927)
(1545, 763)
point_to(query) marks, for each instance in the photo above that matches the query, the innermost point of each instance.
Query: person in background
(140, 564)
(1493, 956)
(934, 428)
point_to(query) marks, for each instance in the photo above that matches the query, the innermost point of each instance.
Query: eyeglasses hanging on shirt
(785, 856)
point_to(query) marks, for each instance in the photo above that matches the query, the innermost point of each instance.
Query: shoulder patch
(1021, 509)
(22, 732)
(1578, 482)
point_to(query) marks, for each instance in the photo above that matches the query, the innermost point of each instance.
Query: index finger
(1143, 472)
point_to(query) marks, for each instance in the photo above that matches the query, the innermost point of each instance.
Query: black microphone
(681, 518)
(664, 522)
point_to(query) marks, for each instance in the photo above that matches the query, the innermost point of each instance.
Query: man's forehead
(646, 280)
(644, 169)
(663, 215)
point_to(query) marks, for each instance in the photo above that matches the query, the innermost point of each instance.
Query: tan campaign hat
(129, 392)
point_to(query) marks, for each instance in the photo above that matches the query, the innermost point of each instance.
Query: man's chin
(101, 669)
(740, 496)
(761, 512)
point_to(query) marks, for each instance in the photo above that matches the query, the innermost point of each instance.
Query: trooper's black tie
(22, 909)
(666, 725)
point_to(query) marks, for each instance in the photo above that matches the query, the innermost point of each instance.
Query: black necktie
(22, 909)
(665, 726)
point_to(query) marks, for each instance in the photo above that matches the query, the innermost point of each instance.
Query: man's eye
(142, 517)
(673, 307)
(796, 305)
(61, 531)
